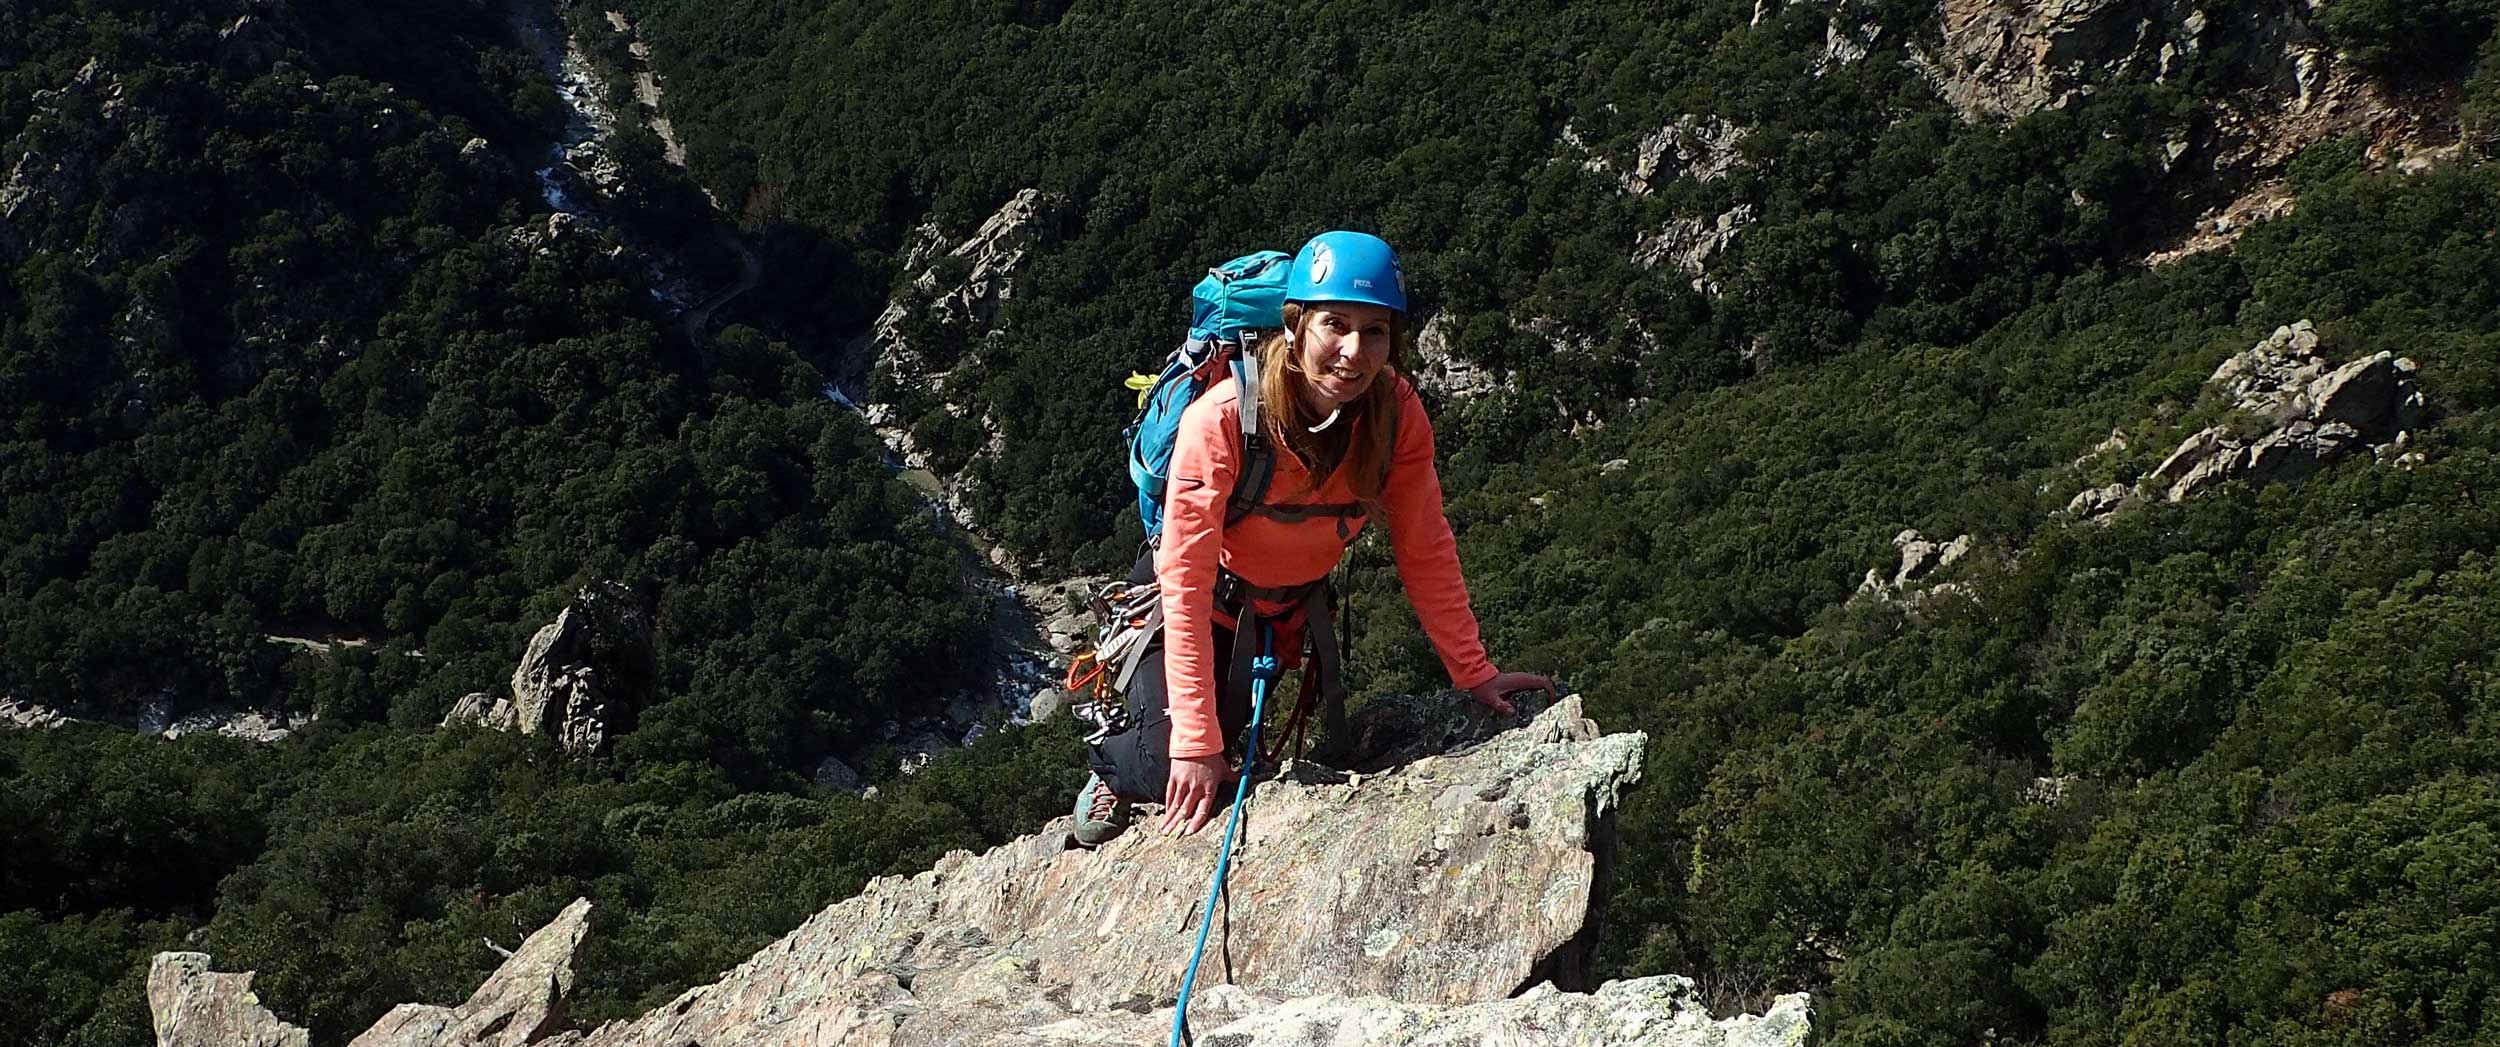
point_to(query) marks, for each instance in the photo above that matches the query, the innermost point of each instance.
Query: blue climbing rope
(1262, 670)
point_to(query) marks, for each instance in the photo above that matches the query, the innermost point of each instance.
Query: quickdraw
(1128, 616)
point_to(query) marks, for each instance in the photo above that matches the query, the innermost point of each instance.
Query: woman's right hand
(1492, 693)
(1189, 797)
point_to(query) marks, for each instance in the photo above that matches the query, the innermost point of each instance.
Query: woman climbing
(1351, 442)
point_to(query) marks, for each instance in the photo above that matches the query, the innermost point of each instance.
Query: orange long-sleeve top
(1272, 553)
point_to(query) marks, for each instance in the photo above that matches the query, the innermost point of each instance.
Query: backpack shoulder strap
(1258, 460)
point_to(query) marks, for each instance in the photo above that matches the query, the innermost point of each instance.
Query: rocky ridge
(1446, 891)
(2285, 88)
(919, 342)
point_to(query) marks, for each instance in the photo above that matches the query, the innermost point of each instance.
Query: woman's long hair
(1358, 441)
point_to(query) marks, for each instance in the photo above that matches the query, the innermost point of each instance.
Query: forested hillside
(290, 345)
(1746, 289)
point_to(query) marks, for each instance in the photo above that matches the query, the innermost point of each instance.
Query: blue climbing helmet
(1345, 266)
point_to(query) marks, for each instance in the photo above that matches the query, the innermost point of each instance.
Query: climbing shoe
(1101, 815)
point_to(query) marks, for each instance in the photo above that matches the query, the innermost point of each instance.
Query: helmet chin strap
(1296, 367)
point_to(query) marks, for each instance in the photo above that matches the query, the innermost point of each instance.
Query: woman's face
(1342, 347)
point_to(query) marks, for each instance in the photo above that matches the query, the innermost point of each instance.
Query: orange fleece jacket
(1267, 553)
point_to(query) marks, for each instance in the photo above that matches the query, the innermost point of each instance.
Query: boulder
(583, 674)
(1444, 890)
(2101, 501)
(833, 774)
(18, 712)
(2297, 414)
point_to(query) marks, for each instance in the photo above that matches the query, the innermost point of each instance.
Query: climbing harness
(1263, 670)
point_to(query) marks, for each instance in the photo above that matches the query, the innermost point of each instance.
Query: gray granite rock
(1444, 890)
(2296, 413)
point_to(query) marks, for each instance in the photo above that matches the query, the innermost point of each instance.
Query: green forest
(286, 351)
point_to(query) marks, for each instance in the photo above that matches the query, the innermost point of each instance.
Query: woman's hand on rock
(1189, 796)
(1489, 693)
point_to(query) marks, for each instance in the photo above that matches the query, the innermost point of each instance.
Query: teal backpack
(1230, 310)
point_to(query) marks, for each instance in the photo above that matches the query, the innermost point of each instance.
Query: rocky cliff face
(955, 296)
(1448, 895)
(1703, 148)
(2282, 87)
(582, 675)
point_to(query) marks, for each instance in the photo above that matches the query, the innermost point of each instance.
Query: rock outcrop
(1920, 560)
(1438, 371)
(903, 366)
(2295, 413)
(1692, 243)
(960, 290)
(49, 188)
(1703, 148)
(582, 676)
(2002, 60)
(18, 712)
(522, 1003)
(159, 716)
(1444, 891)
(248, 45)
